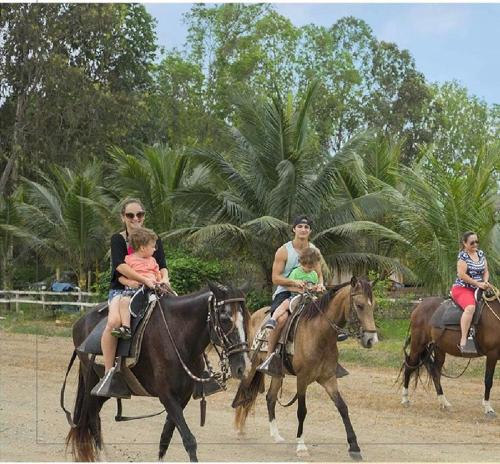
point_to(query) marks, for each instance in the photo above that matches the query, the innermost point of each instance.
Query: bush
(189, 274)
(101, 285)
(256, 299)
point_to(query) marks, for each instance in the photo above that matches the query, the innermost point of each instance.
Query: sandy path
(32, 426)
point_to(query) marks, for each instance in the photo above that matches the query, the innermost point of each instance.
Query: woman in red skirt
(472, 273)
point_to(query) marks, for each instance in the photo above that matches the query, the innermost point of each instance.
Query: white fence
(28, 296)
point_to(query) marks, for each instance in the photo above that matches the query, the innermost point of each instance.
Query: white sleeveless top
(292, 262)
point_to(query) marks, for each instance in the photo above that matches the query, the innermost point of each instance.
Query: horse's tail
(425, 358)
(245, 399)
(85, 436)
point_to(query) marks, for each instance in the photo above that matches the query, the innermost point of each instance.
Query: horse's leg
(272, 395)
(437, 366)
(168, 431)
(412, 364)
(491, 362)
(301, 451)
(330, 385)
(175, 411)
(166, 436)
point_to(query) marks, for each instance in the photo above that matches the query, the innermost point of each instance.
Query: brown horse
(315, 356)
(178, 332)
(429, 346)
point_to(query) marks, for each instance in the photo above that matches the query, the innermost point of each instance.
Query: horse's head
(228, 326)
(361, 306)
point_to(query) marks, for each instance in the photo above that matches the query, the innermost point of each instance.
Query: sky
(448, 41)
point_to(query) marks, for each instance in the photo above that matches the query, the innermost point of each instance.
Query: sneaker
(116, 332)
(270, 324)
(126, 333)
(122, 332)
(342, 336)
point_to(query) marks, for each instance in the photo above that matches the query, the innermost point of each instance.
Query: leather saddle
(138, 306)
(448, 314)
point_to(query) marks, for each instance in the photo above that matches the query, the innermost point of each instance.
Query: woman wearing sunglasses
(132, 216)
(472, 273)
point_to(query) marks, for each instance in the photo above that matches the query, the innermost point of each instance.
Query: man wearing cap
(286, 260)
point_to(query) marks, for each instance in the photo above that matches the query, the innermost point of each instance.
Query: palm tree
(64, 218)
(150, 175)
(437, 207)
(243, 201)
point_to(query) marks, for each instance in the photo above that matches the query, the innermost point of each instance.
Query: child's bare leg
(281, 309)
(124, 311)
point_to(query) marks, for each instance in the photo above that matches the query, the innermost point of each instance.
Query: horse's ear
(354, 281)
(217, 288)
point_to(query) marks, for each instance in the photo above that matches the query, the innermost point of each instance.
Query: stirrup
(469, 347)
(273, 365)
(112, 385)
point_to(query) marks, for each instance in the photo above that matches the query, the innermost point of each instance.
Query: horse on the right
(430, 343)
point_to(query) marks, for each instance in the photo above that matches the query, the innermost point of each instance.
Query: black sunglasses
(139, 215)
(474, 242)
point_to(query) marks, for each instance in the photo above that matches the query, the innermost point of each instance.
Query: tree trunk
(10, 170)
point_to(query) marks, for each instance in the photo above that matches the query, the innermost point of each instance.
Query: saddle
(448, 315)
(287, 334)
(123, 382)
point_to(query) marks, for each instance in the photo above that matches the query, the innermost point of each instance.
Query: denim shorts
(120, 292)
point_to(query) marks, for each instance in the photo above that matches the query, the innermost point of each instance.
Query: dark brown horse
(315, 357)
(217, 315)
(429, 346)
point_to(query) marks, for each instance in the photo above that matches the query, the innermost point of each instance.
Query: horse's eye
(361, 306)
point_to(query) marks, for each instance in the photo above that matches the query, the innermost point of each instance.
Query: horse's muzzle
(240, 365)
(369, 338)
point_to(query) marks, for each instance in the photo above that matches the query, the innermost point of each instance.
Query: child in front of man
(143, 242)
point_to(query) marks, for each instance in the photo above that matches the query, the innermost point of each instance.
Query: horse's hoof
(405, 403)
(278, 439)
(355, 455)
(491, 414)
(303, 453)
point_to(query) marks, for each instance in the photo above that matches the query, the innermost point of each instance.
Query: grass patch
(36, 321)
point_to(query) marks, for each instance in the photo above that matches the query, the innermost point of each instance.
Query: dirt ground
(33, 427)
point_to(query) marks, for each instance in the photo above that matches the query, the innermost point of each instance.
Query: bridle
(216, 333)
(354, 327)
(217, 336)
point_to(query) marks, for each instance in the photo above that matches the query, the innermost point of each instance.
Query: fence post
(43, 300)
(17, 302)
(80, 299)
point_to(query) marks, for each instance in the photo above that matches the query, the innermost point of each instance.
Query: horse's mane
(311, 310)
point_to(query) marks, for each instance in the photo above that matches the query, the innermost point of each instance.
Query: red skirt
(463, 296)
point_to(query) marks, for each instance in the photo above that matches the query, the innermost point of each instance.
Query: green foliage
(256, 299)
(101, 284)
(72, 79)
(189, 273)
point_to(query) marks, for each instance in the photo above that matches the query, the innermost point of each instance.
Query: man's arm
(279, 266)
(321, 285)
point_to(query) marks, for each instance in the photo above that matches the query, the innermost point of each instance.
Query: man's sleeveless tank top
(291, 263)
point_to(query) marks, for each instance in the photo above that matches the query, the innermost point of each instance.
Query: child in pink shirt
(143, 243)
